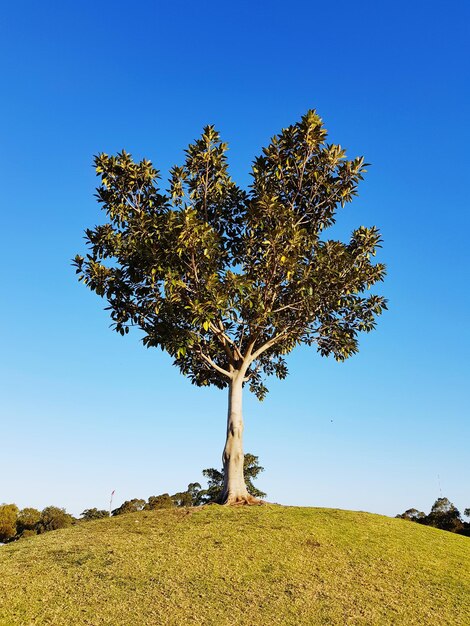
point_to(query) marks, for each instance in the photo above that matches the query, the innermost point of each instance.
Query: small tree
(130, 506)
(91, 514)
(413, 515)
(27, 522)
(215, 487)
(229, 281)
(54, 518)
(8, 516)
(163, 501)
(444, 515)
(193, 496)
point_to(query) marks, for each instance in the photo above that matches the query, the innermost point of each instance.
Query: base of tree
(241, 500)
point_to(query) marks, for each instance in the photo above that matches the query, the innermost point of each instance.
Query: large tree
(444, 515)
(8, 517)
(54, 518)
(27, 521)
(228, 281)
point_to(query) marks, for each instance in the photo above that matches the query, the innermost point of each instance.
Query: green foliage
(163, 501)
(91, 514)
(129, 506)
(227, 280)
(443, 515)
(8, 517)
(251, 469)
(53, 518)
(193, 496)
(413, 515)
(27, 522)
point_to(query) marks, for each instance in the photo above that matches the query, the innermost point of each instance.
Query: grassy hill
(254, 566)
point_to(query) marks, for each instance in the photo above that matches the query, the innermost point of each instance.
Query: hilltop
(229, 566)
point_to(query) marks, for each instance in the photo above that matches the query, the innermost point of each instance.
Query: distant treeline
(443, 515)
(17, 524)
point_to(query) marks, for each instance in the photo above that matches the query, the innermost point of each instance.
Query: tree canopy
(53, 518)
(8, 515)
(27, 521)
(220, 277)
(130, 506)
(163, 501)
(94, 513)
(443, 515)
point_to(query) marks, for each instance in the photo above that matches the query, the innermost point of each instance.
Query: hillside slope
(251, 566)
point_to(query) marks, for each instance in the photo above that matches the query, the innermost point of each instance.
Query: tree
(413, 515)
(129, 506)
(466, 525)
(215, 487)
(91, 514)
(8, 516)
(444, 515)
(53, 518)
(229, 281)
(27, 522)
(163, 501)
(193, 496)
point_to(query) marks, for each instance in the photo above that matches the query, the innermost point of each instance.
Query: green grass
(227, 566)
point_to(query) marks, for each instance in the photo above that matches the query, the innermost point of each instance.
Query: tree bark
(235, 491)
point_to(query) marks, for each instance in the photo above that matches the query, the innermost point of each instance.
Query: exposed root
(244, 500)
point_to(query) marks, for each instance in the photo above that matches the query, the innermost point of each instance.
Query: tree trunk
(235, 491)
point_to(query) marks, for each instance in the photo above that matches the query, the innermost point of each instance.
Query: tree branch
(268, 345)
(287, 306)
(225, 339)
(222, 337)
(217, 368)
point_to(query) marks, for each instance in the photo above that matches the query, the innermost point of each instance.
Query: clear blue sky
(84, 411)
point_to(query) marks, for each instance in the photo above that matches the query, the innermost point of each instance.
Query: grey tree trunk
(235, 491)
